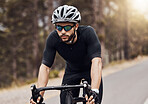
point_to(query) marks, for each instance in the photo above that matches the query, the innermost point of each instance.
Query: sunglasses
(66, 28)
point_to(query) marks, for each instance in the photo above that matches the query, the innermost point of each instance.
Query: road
(128, 86)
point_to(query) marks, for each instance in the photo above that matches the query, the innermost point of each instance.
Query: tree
(126, 30)
(15, 39)
(25, 25)
(99, 25)
(35, 38)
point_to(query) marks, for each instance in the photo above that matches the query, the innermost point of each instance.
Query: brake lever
(35, 93)
(86, 89)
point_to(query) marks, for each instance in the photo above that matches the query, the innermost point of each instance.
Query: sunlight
(140, 5)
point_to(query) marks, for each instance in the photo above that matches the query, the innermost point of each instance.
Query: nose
(63, 31)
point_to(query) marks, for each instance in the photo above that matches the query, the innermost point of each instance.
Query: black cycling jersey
(78, 56)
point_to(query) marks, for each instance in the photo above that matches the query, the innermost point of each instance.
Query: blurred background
(121, 25)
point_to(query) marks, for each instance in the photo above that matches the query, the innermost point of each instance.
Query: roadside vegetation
(25, 25)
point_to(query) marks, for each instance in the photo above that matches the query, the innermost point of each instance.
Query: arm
(94, 52)
(43, 76)
(42, 80)
(47, 61)
(96, 72)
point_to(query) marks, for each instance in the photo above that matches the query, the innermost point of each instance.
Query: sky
(141, 6)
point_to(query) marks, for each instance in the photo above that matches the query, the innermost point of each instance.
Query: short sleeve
(93, 43)
(49, 51)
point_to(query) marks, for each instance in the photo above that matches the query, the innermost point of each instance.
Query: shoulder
(82, 29)
(86, 31)
(52, 38)
(53, 35)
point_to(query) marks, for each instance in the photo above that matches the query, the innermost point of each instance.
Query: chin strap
(71, 38)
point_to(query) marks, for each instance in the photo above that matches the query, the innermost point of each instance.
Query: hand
(39, 100)
(93, 99)
(90, 100)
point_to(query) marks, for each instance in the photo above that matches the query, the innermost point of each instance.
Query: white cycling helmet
(66, 13)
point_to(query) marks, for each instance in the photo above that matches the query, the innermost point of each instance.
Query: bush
(5, 79)
(31, 81)
(54, 73)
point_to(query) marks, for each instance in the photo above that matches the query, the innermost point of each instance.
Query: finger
(86, 97)
(93, 101)
(87, 103)
(90, 98)
(32, 102)
(38, 100)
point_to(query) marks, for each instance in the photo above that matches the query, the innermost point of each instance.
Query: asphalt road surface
(129, 86)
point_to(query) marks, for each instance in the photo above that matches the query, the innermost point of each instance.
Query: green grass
(115, 63)
(54, 73)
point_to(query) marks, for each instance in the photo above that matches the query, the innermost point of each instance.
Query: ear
(77, 25)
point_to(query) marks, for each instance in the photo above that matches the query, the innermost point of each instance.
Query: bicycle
(69, 98)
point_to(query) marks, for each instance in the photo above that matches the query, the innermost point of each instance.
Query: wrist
(95, 90)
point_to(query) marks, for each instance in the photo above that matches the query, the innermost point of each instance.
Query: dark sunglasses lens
(59, 28)
(67, 28)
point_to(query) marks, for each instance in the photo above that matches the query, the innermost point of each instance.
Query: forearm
(43, 76)
(96, 73)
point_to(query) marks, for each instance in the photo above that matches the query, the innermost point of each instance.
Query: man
(80, 48)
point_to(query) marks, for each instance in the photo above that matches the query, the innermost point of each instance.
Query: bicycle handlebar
(60, 87)
(85, 86)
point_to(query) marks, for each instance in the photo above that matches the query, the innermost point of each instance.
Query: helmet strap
(72, 38)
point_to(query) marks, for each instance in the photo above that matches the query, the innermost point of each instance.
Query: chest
(73, 53)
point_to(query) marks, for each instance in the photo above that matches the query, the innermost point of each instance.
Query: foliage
(115, 29)
(25, 25)
(54, 73)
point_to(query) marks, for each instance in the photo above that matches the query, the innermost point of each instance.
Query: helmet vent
(73, 10)
(69, 16)
(76, 17)
(58, 11)
(62, 12)
(55, 16)
(68, 10)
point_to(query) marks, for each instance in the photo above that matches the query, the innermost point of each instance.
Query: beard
(67, 37)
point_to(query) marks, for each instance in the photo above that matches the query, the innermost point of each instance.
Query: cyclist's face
(65, 32)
